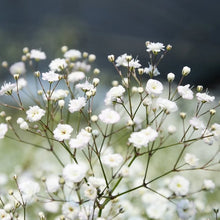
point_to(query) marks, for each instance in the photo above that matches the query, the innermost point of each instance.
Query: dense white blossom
(208, 184)
(185, 92)
(77, 104)
(73, 54)
(58, 64)
(112, 160)
(191, 159)
(204, 97)
(62, 132)
(82, 66)
(167, 105)
(82, 139)
(3, 130)
(74, 172)
(154, 87)
(151, 70)
(109, 116)
(50, 76)
(52, 183)
(35, 113)
(86, 86)
(4, 215)
(7, 88)
(96, 182)
(155, 47)
(70, 210)
(114, 93)
(90, 192)
(37, 55)
(76, 76)
(196, 123)
(179, 185)
(17, 68)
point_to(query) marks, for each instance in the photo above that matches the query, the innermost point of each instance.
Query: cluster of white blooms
(114, 158)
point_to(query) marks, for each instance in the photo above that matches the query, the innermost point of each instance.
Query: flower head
(50, 76)
(7, 88)
(204, 97)
(73, 54)
(112, 160)
(35, 113)
(76, 76)
(37, 55)
(155, 47)
(17, 68)
(3, 130)
(185, 92)
(151, 70)
(62, 132)
(77, 104)
(58, 64)
(179, 185)
(154, 87)
(109, 116)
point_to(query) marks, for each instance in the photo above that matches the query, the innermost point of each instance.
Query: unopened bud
(10, 192)
(16, 76)
(92, 58)
(114, 83)
(125, 82)
(64, 49)
(37, 74)
(134, 89)
(199, 88)
(169, 47)
(8, 118)
(171, 129)
(85, 54)
(23, 58)
(128, 58)
(111, 58)
(43, 179)
(183, 115)
(186, 70)
(140, 90)
(94, 118)
(130, 122)
(5, 64)
(61, 103)
(170, 77)
(25, 50)
(40, 92)
(96, 81)
(140, 71)
(2, 114)
(147, 43)
(88, 129)
(96, 71)
(212, 111)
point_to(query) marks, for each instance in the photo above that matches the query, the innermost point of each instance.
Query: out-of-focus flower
(76, 76)
(155, 47)
(209, 185)
(191, 159)
(167, 105)
(37, 55)
(196, 123)
(72, 54)
(52, 183)
(17, 68)
(179, 185)
(3, 130)
(204, 97)
(50, 76)
(77, 104)
(185, 92)
(185, 209)
(109, 116)
(151, 70)
(70, 210)
(7, 88)
(112, 160)
(21, 83)
(58, 64)
(90, 192)
(114, 93)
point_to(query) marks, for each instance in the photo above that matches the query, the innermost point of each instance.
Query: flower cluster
(123, 160)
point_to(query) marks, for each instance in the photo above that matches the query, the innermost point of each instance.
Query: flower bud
(40, 92)
(94, 118)
(64, 49)
(212, 111)
(92, 58)
(23, 58)
(85, 54)
(28, 55)
(24, 126)
(199, 88)
(61, 181)
(140, 90)
(128, 58)
(25, 50)
(186, 70)
(10, 192)
(96, 81)
(169, 47)
(41, 216)
(2, 114)
(170, 77)
(183, 115)
(130, 122)
(16, 76)
(147, 43)
(111, 58)
(134, 89)
(37, 73)
(96, 71)
(61, 103)
(8, 207)
(115, 83)
(95, 133)
(140, 71)
(171, 129)
(88, 129)
(8, 118)
(5, 64)
(43, 179)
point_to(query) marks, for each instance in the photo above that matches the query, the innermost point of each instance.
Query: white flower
(70, 210)
(196, 123)
(59, 94)
(17, 68)
(72, 54)
(114, 93)
(171, 129)
(185, 209)
(7, 88)
(96, 182)
(204, 97)
(142, 138)
(82, 66)
(209, 185)
(167, 105)
(186, 70)
(37, 55)
(62, 132)
(52, 183)
(185, 92)
(21, 83)
(50, 76)
(74, 172)
(28, 189)
(24, 125)
(35, 113)
(77, 104)
(109, 116)
(58, 64)
(155, 47)
(151, 70)
(85, 86)
(154, 87)
(216, 130)
(179, 185)
(90, 192)
(76, 76)
(81, 140)
(121, 60)
(4, 215)
(134, 63)
(112, 160)
(154, 212)
(20, 120)
(208, 136)
(191, 159)
(3, 130)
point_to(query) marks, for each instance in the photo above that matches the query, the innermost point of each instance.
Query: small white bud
(61, 103)
(24, 126)
(92, 58)
(95, 133)
(8, 118)
(125, 82)
(183, 115)
(171, 129)
(23, 58)
(140, 90)
(96, 81)
(8, 207)
(134, 89)
(169, 47)
(147, 43)
(128, 58)
(170, 77)
(64, 49)
(130, 122)
(37, 74)
(5, 64)
(16, 76)
(88, 129)
(186, 70)
(96, 71)
(141, 71)
(199, 88)
(40, 92)
(94, 118)
(212, 111)
(111, 58)
(25, 50)
(89, 93)
(85, 54)
(115, 83)
(20, 120)
(2, 114)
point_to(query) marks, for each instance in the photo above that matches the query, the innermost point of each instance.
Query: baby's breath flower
(114, 93)
(52, 183)
(70, 210)
(3, 130)
(171, 129)
(5, 64)
(76, 76)
(62, 132)
(186, 70)
(90, 192)
(112, 160)
(167, 105)
(196, 123)
(155, 47)
(58, 64)
(170, 77)
(111, 58)
(185, 209)
(21, 83)
(17, 68)
(37, 55)
(154, 87)
(179, 185)
(24, 125)
(109, 116)
(7, 88)
(77, 104)
(96, 182)
(50, 76)
(73, 54)
(185, 92)
(151, 70)
(204, 97)
(92, 57)
(191, 159)
(35, 113)
(209, 185)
